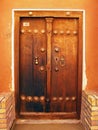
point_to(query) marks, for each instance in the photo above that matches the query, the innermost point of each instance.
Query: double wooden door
(48, 65)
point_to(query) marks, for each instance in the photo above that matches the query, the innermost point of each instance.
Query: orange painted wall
(91, 8)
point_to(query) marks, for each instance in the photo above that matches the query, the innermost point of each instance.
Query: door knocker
(36, 61)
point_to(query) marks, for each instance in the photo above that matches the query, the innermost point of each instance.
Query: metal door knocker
(36, 60)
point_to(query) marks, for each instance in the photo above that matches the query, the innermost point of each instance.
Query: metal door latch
(36, 61)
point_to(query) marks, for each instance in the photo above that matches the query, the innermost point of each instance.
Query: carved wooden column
(49, 40)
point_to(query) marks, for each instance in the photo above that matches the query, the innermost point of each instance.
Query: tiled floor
(36, 125)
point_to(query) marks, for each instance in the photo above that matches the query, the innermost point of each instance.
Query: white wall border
(84, 78)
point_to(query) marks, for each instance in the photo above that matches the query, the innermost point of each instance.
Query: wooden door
(64, 65)
(49, 67)
(33, 74)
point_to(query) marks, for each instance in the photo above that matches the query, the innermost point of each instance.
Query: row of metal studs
(54, 32)
(42, 98)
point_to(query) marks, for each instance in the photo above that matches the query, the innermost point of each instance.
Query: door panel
(64, 65)
(32, 65)
(48, 65)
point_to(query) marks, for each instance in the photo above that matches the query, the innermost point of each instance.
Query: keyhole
(56, 59)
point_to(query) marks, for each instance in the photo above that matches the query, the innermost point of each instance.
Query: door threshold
(47, 121)
(50, 115)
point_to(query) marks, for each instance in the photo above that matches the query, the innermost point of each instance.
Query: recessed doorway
(48, 64)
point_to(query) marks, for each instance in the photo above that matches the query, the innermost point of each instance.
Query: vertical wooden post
(49, 40)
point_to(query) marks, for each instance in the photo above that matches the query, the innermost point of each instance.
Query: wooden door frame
(47, 13)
